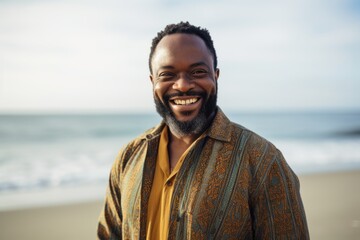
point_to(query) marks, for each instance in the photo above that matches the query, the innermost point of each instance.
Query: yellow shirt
(158, 215)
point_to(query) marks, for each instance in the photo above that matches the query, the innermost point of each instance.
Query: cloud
(87, 55)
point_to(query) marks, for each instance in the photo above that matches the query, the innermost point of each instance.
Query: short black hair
(184, 27)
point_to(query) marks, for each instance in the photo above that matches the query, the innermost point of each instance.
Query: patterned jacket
(233, 184)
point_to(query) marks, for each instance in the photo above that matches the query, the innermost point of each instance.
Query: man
(197, 175)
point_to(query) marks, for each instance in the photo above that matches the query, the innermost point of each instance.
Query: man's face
(184, 83)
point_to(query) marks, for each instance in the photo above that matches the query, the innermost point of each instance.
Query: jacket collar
(219, 128)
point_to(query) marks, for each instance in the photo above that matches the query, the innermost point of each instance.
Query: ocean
(40, 153)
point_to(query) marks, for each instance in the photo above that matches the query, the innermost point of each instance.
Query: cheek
(209, 86)
(159, 90)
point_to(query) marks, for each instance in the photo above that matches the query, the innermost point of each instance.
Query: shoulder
(254, 142)
(134, 146)
(257, 144)
(259, 153)
(249, 142)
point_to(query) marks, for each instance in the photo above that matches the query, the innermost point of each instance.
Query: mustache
(182, 94)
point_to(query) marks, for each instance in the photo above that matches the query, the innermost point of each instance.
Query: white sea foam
(315, 155)
(35, 165)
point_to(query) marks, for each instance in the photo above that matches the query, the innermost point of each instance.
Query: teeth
(185, 102)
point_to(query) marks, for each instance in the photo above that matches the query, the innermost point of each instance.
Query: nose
(184, 83)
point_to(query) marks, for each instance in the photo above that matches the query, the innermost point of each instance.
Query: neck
(181, 139)
(178, 143)
(177, 146)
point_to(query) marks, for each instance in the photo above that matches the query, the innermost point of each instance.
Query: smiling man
(198, 175)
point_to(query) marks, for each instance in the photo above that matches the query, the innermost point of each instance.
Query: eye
(166, 76)
(199, 73)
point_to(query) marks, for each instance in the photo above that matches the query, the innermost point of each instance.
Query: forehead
(179, 47)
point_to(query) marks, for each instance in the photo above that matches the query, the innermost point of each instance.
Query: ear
(217, 74)
(151, 78)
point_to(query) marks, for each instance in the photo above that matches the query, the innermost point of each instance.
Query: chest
(210, 193)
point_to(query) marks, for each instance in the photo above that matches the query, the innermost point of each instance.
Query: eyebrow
(199, 64)
(166, 67)
(191, 66)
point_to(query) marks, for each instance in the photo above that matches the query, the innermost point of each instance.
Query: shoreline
(51, 197)
(331, 201)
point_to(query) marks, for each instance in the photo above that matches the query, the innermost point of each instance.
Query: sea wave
(39, 152)
(36, 166)
(355, 132)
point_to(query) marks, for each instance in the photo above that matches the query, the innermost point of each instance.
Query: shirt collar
(220, 127)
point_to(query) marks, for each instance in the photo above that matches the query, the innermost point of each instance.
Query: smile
(185, 101)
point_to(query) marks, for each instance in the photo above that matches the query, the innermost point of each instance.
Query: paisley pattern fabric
(233, 184)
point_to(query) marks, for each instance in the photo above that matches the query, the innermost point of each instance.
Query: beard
(195, 126)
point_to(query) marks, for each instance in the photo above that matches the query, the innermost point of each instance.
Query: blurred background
(74, 88)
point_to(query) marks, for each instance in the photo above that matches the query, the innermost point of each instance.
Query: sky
(92, 56)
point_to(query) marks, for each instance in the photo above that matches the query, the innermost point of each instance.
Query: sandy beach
(331, 200)
(332, 205)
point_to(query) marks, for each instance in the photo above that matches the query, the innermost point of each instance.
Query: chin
(184, 126)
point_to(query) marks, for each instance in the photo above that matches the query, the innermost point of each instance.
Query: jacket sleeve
(110, 220)
(277, 208)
